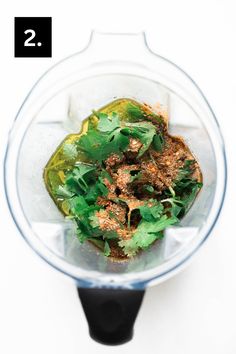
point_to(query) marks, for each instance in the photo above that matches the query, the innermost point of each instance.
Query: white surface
(195, 312)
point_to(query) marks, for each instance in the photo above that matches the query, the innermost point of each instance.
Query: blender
(112, 66)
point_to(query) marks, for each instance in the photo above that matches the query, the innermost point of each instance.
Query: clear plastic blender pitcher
(112, 66)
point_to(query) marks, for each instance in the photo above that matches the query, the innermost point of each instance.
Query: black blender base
(110, 340)
(111, 313)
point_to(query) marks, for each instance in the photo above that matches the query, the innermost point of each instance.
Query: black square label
(33, 37)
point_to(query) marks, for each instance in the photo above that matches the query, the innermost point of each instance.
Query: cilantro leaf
(117, 142)
(94, 222)
(134, 111)
(110, 137)
(184, 189)
(81, 173)
(92, 144)
(106, 175)
(70, 151)
(145, 234)
(94, 191)
(176, 206)
(151, 213)
(82, 236)
(83, 181)
(135, 176)
(107, 250)
(97, 146)
(184, 192)
(158, 142)
(73, 185)
(144, 131)
(149, 188)
(189, 198)
(64, 192)
(77, 179)
(99, 188)
(83, 230)
(82, 169)
(109, 235)
(183, 178)
(85, 218)
(108, 123)
(78, 204)
(102, 188)
(98, 242)
(132, 246)
(160, 225)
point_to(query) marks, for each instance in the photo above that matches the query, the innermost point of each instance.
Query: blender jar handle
(111, 313)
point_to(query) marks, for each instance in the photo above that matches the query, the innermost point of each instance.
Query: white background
(193, 313)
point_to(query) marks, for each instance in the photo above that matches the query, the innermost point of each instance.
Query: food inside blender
(123, 179)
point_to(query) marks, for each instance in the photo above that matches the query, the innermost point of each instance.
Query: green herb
(107, 250)
(158, 142)
(145, 132)
(184, 179)
(134, 112)
(77, 180)
(64, 192)
(92, 145)
(149, 229)
(111, 137)
(70, 151)
(105, 175)
(149, 188)
(146, 233)
(81, 234)
(134, 175)
(93, 219)
(176, 205)
(183, 190)
(189, 198)
(110, 235)
(86, 228)
(96, 190)
(151, 213)
(97, 242)
(78, 204)
(97, 146)
(107, 123)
